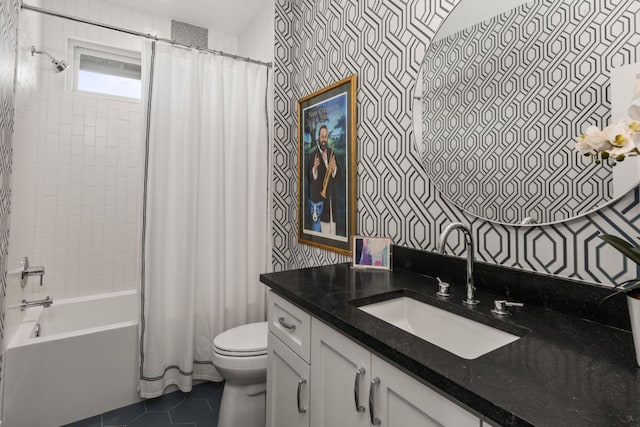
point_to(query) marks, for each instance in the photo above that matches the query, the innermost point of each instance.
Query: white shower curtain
(206, 225)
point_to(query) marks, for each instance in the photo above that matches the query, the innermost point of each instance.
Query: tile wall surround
(77, 182)
(318, 43)
(8, 45)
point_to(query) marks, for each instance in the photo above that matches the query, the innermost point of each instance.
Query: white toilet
(240, 355)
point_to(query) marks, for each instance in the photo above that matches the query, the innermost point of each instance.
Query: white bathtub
(85, 361)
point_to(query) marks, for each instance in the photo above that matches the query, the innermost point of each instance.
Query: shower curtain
(206, 235)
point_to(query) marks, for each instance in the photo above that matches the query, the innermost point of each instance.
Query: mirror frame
(418, 99)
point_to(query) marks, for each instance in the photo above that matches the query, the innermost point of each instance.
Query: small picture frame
(371, 252)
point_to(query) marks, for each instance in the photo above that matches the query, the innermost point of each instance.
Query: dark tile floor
(198, 408)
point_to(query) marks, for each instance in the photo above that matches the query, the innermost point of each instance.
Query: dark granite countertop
(563, 371)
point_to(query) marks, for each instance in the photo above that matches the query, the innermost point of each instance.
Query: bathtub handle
(27, 271)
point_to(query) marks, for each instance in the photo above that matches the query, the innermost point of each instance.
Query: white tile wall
(78, 159)
(24, 165)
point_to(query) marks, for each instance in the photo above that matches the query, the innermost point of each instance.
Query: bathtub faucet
(44, 302)
(30, 271)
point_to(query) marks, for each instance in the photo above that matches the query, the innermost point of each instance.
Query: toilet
(240, 356)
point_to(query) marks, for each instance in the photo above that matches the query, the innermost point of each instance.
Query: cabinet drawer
(291, 324)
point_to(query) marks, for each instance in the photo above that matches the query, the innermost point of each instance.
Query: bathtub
(84, 362)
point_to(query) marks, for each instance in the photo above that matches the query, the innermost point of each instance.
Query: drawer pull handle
(374, 420)
(356, 390)
(286, 325)
(300, 384)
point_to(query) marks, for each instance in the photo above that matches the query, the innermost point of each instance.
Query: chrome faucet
(468, 239)
(44, 302)
(27, 271)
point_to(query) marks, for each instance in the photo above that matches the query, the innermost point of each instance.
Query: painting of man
(325, 187)
(326, 200)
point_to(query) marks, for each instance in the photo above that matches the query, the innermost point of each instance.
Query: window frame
(79, 47)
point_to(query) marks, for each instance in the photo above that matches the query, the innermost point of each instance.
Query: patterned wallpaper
(484, 99)
(8, 45)
(383, 42)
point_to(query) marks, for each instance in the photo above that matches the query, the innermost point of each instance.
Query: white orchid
(615, 142)
(593, 139)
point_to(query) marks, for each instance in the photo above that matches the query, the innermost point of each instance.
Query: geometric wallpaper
(320, 42)
(503, 101)
(8, 46)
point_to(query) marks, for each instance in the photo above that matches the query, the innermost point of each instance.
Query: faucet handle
(443, 289)
(500, 307)
(26, 271)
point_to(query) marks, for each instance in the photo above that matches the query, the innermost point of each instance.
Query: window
(106, 71)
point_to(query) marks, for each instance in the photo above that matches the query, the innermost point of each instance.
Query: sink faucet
(468, 240)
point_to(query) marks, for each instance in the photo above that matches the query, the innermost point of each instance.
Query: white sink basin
(461, 336)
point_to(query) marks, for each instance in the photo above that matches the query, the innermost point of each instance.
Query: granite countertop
(563, 371)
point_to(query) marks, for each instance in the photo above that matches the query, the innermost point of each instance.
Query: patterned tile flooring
(198, 408)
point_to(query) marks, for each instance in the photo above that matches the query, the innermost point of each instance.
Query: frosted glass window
(107, 73)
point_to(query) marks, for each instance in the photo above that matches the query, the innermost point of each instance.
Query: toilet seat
(239, 353)
(243, 341)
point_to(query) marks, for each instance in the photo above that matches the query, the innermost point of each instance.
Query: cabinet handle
(300, 384)
(286, 325)
(375, 421)
(356, 390)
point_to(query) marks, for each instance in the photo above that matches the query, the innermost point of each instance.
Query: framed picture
(327, 167)
(371, 252)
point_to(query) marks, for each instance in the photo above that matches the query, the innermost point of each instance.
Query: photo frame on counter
(327, 166)
(371, 252)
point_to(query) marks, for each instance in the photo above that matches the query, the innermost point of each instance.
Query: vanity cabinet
(400, 401)
(341, 372)
(287, 386)
(353, 387)
(288, 369)
(318, 377)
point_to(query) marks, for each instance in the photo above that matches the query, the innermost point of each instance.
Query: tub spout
(43, 302)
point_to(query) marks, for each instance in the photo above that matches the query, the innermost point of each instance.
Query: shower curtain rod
(138, 34)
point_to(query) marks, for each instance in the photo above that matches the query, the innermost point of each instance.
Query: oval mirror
(504, 90)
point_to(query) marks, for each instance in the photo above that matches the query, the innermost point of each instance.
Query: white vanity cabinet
(340, 380)
(287, 386)
(288, 370)
(387, 396)
(341, 371)
(400, 401)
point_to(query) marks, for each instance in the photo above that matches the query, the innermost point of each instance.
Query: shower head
(58, 66)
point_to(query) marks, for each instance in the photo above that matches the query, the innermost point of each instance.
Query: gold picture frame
(327, 167)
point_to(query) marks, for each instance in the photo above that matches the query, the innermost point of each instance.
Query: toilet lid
(245, 340)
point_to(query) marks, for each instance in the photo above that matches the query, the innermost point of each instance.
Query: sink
(459, 335)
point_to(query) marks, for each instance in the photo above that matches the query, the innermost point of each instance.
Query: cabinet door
(340, 372)
(287, 387)
(401, 401)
